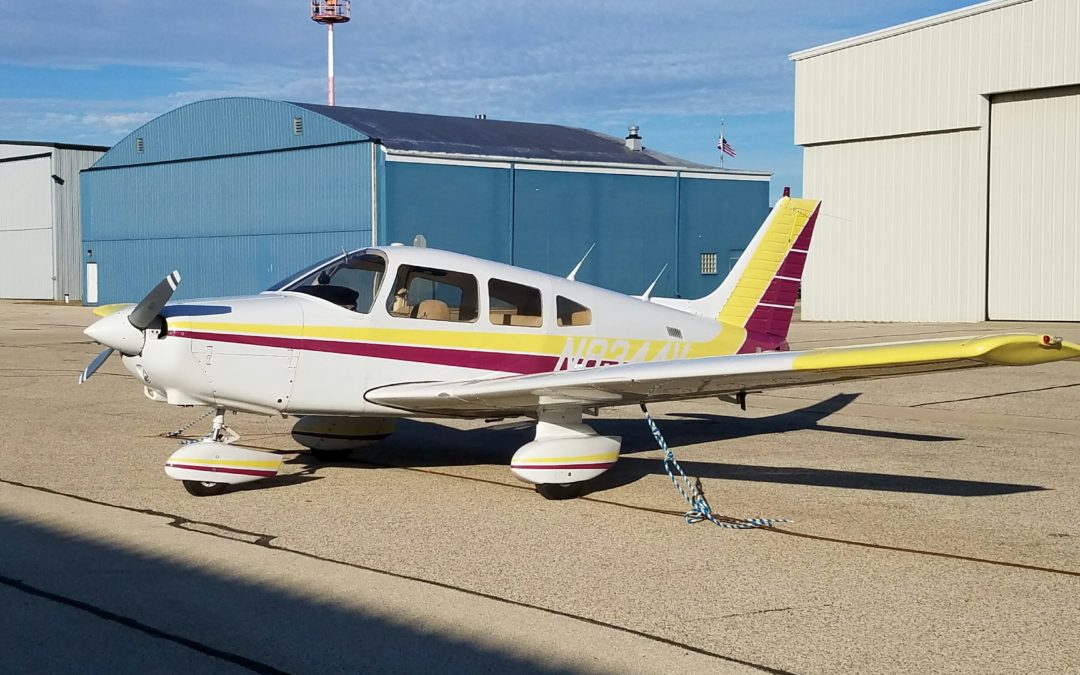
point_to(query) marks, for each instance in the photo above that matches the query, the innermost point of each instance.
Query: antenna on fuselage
(648, 291)
(573, 272)
(419, 241)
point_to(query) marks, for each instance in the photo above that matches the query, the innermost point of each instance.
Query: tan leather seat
(435, 310)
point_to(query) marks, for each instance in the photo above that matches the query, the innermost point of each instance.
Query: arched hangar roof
(231, 126)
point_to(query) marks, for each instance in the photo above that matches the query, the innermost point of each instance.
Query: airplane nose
(117, 332)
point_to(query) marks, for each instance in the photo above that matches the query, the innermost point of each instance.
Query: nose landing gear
(209, 466)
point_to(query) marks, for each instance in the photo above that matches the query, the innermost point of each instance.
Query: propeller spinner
(125, 332)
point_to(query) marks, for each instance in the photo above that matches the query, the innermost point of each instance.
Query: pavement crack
(267, 541)
(1004, 393)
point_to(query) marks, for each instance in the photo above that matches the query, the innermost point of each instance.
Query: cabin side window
(570, 313)
(433, 294)
(514, 304)
(351, 282)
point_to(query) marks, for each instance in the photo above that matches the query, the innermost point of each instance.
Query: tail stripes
(773, 311)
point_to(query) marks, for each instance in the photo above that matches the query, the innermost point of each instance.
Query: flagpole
(721, 148)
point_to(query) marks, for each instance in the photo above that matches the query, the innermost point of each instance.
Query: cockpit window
(433, 294)
(351, 281)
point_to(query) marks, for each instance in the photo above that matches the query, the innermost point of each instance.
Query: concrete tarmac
(935, 527)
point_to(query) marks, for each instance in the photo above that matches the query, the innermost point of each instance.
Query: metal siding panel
(26, 226)
(68, 221)
(281, 209)
(901, 236)
(715, 217)
(457, 208)
(559, 215)
(211, 266)
(226, 126)
(1034, 237)
(933, 78)
(26, 264)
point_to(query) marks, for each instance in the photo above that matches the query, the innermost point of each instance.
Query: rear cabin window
(352, 282)
(570, 313)
(514, 304)
(433, 294)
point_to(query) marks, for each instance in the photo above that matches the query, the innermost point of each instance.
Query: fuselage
(320, 341)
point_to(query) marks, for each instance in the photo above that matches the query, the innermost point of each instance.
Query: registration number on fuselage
(581, 353)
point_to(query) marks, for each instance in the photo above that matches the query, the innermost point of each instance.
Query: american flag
(723, 146)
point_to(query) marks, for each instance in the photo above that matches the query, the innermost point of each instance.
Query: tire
(204, 488)
(331, 455)
(559, 491)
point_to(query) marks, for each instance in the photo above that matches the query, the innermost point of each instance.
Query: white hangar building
(40, 220)
(947, 154)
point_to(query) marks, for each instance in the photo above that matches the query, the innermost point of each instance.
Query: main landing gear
(565, 454)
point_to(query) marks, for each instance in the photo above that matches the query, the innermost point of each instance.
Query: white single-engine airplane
(369, 336)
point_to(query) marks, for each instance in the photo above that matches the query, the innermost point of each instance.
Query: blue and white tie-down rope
(699, 506)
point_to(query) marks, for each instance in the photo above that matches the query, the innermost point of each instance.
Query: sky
(92, 71)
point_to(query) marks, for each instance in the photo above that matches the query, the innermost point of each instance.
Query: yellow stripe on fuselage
(727, 341)
(785, 228)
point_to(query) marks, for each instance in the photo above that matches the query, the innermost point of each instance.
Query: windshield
(351, 281)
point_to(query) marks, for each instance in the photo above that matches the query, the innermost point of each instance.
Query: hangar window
(351, 281)
(708, 263)
(514, 304)
(433, 294)
(570, 313)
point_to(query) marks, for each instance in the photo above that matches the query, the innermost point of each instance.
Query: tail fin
(760, 291)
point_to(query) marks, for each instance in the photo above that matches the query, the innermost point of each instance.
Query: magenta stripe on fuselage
(462, 358)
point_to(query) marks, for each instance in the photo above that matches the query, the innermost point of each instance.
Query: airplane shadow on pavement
(76, 604)
(429, 444)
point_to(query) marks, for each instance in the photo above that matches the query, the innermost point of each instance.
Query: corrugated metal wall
(227, 126)
(544, 218)
(933, 78)
(894, 244)
(244, 222)
(1034, 176)
(896, 133)
(26, 225)
(67, 219)
(458, 207)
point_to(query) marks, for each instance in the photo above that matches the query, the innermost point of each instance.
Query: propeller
(125, 333)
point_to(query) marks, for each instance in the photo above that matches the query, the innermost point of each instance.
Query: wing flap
(712, 376)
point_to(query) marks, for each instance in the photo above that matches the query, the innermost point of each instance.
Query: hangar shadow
(419, 444)
(109, 608)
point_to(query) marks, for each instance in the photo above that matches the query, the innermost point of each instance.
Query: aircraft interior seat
(436, 310)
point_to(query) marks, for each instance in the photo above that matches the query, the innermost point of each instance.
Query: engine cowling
(323, 432)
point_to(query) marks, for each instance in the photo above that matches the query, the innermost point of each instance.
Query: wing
(713, 376)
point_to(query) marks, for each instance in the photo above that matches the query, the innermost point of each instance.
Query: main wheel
(557, 491)
(331, 455)
(204, 488)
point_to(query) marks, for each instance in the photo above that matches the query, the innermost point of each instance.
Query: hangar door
(1034, 216)
(26, 235)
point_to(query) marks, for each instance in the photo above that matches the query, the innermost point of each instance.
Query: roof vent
(298, 125)
(633, 141)
(139, 144)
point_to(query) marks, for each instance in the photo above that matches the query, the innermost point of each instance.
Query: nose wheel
(200, 488)
(559, 491)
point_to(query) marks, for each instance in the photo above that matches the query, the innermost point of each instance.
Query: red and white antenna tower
(330, 12)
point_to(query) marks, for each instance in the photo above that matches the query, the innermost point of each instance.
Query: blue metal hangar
(237, 193)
